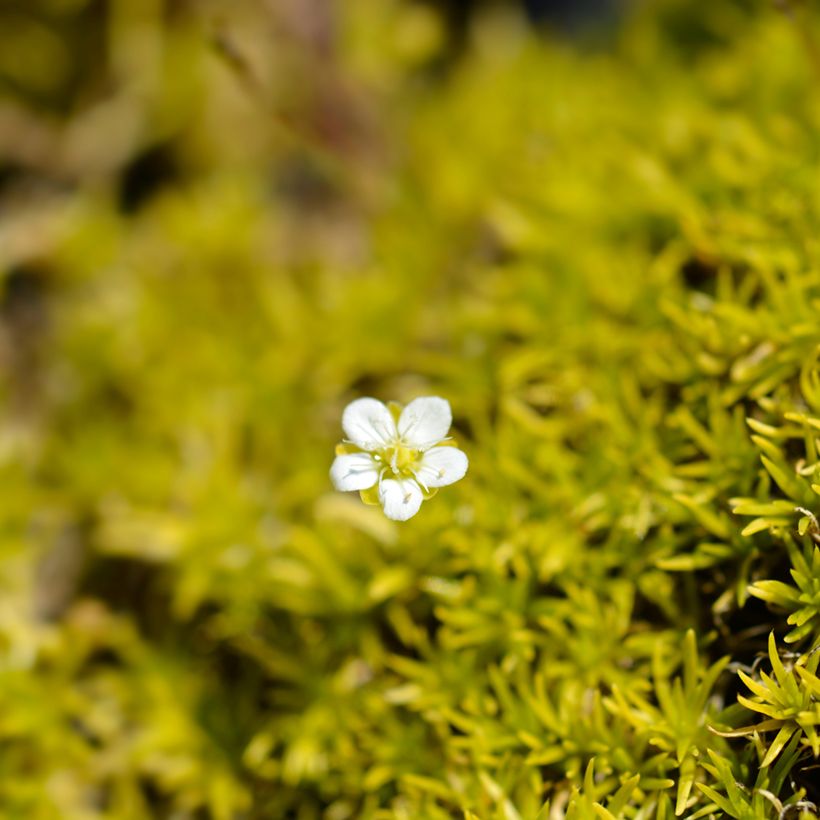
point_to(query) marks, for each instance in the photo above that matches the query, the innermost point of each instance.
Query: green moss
(605, 258)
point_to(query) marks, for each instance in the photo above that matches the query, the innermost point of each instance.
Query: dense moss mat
(605, 256)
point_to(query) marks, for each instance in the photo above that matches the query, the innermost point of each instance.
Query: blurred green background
(592, 227)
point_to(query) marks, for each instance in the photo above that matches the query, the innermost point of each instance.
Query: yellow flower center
(400, 460)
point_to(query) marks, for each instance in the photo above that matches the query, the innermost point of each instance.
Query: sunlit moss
(604, 256)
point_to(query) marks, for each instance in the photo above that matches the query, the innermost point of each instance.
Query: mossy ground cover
(605, 257)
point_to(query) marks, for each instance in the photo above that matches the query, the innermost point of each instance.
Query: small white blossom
(397, 457)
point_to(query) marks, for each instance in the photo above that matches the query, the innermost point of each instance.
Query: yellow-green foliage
(220, 224)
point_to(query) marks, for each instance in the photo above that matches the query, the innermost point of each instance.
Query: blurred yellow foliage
(220, 223)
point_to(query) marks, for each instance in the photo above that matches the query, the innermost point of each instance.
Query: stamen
(426, 445)
(418, 480)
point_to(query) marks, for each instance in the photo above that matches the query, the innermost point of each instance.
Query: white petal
(368, 424)
(354, 471)
(400, 499)
(425, 421)
(441, 466)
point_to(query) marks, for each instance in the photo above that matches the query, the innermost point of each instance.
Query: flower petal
(425, 421)
(369, 424)
(441, 466)
(355, 471)
(401, 498)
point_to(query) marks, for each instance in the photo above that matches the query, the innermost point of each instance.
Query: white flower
(397, 457)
